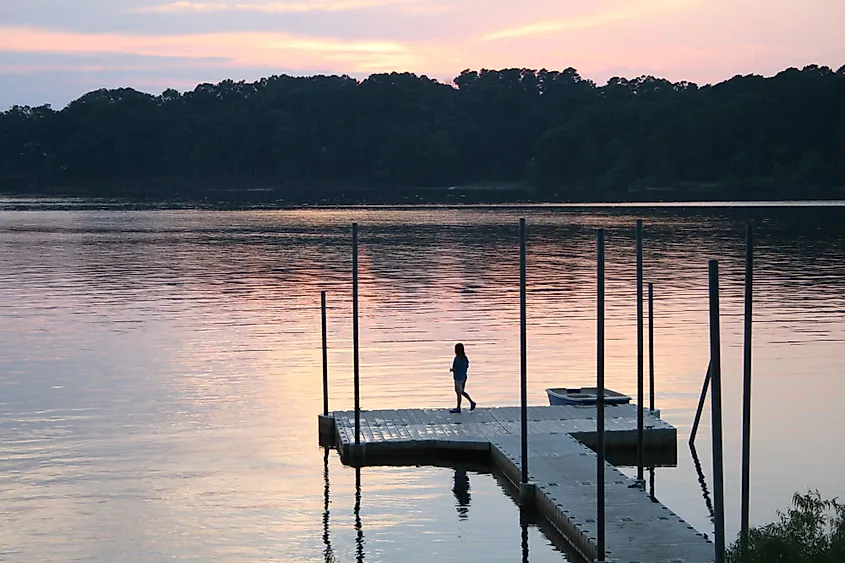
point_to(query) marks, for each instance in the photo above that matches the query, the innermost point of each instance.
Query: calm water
(160, 374)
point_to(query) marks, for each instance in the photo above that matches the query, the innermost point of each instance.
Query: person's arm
(453, 364)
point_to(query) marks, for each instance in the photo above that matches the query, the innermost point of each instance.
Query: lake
(161, 368)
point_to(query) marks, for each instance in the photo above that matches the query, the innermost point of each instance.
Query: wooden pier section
(561, 468)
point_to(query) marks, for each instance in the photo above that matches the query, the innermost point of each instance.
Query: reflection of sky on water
(397, 516)
(160, 369)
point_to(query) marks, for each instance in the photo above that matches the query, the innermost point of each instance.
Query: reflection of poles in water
(327, 552)
(651, 484)
(359, 538)
(523, 523)
(701, 480)
(461, 492)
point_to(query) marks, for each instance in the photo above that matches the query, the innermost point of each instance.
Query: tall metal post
(651, 346)
(716, 412)
(701, 399)
(325, 356)
(640, 441)
(523, 366)
(355, 364)
(600, 518)
(746, 386)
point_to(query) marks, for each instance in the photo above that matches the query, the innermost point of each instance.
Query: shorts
(459, 385)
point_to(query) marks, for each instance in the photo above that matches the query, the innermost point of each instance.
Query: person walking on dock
(459, 368)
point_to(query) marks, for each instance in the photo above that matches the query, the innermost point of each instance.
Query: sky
(53, 51)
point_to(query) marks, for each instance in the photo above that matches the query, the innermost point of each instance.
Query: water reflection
(328, 552)
(708, 502)
(389, 510)
(359, 530)
(461, 491)
(523, 523)
(651, 484)
(162, 342)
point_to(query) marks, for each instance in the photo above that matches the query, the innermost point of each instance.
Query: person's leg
(459, 388)
(471, 402)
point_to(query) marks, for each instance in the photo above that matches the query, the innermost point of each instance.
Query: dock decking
(561, 468)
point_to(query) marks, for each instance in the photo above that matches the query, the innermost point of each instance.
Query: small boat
(584, 396)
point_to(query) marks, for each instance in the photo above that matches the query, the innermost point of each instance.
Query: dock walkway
(560, 466)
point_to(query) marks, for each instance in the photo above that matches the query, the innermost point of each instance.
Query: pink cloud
(677, 39)
(239, 49)
(623, 13)
(301, 6)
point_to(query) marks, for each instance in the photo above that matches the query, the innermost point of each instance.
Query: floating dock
(561, 468)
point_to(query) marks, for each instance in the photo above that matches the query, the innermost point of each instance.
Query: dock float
(561, 467)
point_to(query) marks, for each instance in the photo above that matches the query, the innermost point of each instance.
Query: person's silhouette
(461, 491)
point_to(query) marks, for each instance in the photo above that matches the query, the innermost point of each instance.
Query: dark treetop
(496, 135)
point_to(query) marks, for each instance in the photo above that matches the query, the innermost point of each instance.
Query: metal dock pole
(651, 346)
(716, 412)
(600, 518)
(640, 445)
(746, 386)
(523, 367)
(325, 356)
(701, 400)
(356, 366)
(325, 423)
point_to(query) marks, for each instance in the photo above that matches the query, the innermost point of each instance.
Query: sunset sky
(52, 51)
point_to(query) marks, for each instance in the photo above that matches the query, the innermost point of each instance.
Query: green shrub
(812, 531)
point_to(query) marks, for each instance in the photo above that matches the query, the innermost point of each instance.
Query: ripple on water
(161, 368)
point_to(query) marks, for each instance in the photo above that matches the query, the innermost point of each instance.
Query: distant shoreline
(427, 198)
(506, 192)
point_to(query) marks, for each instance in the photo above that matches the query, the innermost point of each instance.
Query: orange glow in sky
(150, 43)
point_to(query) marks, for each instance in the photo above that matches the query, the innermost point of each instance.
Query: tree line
(560, 136)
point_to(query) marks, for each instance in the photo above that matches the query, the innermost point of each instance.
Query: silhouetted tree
(315, 138)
